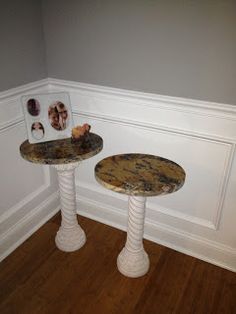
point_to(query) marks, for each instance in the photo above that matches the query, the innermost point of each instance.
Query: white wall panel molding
(187, 116)
(201, 136)
(225, 173)
(10, 102)
(139, 97)
(29, 198)
(24, 227)
(14, 93)
(214, 222)
(154, 209)
(28, 192)
(185, 242)
(150, 126)
(11, 124)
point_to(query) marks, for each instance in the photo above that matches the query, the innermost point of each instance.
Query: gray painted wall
(22, 51)
(178, 48)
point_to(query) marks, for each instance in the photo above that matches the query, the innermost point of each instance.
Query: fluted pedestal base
(69, 240)
(70, 236)
(133, 261)
(133, 264)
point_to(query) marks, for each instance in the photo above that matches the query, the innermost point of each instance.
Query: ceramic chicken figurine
(79, 132)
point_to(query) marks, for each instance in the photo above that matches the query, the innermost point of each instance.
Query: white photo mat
(47, 116)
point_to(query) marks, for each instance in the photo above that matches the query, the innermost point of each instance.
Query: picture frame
(48, 116)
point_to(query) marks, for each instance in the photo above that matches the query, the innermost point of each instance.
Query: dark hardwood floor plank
(38, 287)
(25, 260)
(225, 302)
(38, 278)
(118, 293)
(206, 289)
(90, 274)
(167, 283)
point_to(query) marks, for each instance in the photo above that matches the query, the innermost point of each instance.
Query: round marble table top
(61, 151)
(139, 174)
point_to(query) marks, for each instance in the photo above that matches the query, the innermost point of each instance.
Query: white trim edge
(30, 223)
(17, 91)
(163, 100)
(206, 250)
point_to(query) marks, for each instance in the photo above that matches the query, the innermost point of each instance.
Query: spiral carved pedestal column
(133, 261)
(140, 176)
(70, 236)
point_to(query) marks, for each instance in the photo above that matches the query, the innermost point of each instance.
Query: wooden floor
(38, 278)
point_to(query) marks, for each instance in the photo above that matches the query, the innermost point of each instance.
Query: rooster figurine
(79, 133)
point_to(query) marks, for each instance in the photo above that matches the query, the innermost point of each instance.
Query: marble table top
(140, 174)
(61, 151)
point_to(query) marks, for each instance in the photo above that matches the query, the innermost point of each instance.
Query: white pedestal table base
(133, 261)
(70, 236)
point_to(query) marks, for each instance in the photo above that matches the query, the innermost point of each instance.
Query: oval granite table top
(62, 151)
(140, 174)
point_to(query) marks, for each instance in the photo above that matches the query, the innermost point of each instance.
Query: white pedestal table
(65, 156)
(139, 176)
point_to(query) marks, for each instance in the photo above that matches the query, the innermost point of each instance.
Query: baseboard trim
(190, 244)
(30, 223)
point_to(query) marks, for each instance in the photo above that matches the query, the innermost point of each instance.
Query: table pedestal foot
(133, 261)
(70, 240)
(133, 264)
(70, 236)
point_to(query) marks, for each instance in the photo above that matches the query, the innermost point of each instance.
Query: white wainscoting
(200, 218)
(29, 193)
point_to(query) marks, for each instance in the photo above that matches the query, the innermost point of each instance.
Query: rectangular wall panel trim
(198, 220)
(209, 129)
(29, 195)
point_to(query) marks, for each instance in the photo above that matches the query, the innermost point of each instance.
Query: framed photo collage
(47, 116)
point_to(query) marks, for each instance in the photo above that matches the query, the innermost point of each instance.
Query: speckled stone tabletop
(140, 174)
(61, 151)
